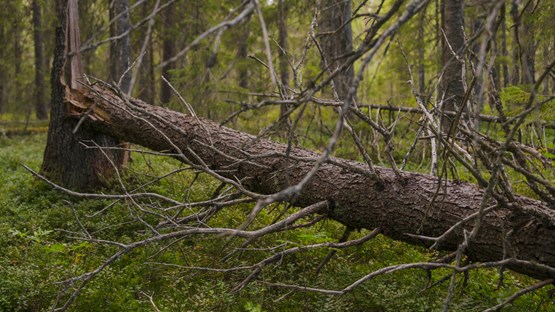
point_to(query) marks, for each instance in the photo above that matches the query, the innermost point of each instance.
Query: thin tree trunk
(528, 49)
(421, 54)
(283, 62)
(40, 99)
(504, 53)
(147, 81)
(242, 54)
(168, 51)
(66, 160)
(399, 205)
(3, 76)
(120, 50)
(476, 25)
(546, 61)
(337, 40)
(282, 41)
(17, 64)
(452, 87)
(515, 79)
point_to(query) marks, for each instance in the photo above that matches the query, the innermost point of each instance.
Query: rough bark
(337, 40)
(40, 99)
(504, 53)
(283, 11)
(120, 50)
(451, 86)
(168, 51)
(421, 53)
(147, 81)
(282, 41)
(528, 49)
(397, 207)
(243, 54)
(65, 160)
(515, 78)
(17, 53)
(3, 76)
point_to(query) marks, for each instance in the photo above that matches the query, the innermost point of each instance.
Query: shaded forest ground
(37, 251)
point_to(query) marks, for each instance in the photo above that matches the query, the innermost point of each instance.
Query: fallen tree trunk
(399, 206)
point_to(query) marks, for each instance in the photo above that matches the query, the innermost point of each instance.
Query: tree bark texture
(66, 161)
(3, 76)
(147, 81)
(528, 48)
(243, 54)
(120, 50)
(515, 78)
(337, 40)
(451, 86)
(399, 206)
(168, 51)
(40, 99)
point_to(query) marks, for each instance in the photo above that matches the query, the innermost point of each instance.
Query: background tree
(337, 40)
(451, 91)
(120, 49)
(169, 39)
(40, 99)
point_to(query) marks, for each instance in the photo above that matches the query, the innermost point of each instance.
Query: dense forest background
(249, 65)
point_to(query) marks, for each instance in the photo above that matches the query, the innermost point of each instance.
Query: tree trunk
(282, 42)
(66, 161)
(528, 49)
(40, 100)
(3, 76)
(452, 87)
(504, 53)
(17, 52)
(147, 82)
(421, 53)
(515, 78)
(283, 11)
(167, 53)
(120, 50)
(398, 206)
(337, 40)
(242, 55)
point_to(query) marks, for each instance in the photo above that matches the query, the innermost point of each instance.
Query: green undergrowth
(39, 249)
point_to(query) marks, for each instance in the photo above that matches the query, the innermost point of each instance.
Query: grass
(38, 252)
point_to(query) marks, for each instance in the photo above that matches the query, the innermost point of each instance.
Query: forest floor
(37, 252)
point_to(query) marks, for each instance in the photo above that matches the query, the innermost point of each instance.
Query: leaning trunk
(399, 206)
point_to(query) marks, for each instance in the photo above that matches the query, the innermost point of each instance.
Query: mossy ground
(37, 251)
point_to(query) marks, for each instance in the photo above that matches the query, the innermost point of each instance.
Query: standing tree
(147, 81)
(337, 41)
(40, 100)
(3, 70)
(168, 51)
(451, 91)
(120, 49)
(528, 48)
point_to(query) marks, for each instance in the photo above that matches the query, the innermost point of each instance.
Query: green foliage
(37, 254)
(36, 223)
